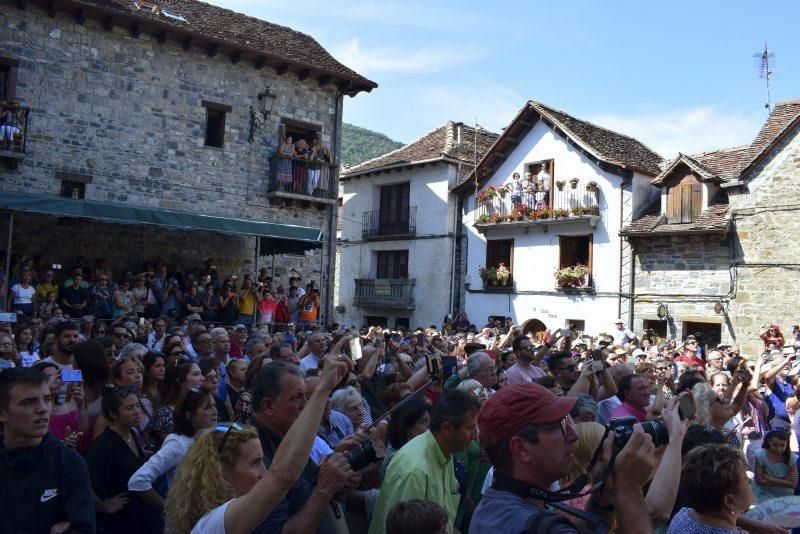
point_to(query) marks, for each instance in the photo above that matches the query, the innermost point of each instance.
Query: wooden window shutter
(697, 200)
(673, 212)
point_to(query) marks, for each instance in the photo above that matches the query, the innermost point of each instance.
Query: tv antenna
(765, 62)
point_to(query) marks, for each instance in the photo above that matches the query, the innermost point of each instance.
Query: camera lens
(658, 431)
(622, 428)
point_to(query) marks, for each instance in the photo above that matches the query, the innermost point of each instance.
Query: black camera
(362, 456)
(622, 428)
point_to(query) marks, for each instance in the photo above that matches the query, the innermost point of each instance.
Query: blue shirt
(780, 391)
(338, 426)
(501, 511)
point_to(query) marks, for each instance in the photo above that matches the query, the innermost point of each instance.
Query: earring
(733, 511)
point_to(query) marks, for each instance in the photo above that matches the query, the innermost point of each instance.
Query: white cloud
(392, 59)
(685, 130)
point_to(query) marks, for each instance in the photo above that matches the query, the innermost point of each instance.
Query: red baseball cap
(515, 406)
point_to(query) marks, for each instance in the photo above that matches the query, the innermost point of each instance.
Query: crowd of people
(179, 424)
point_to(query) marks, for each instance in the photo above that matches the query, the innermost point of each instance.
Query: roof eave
(404, 164)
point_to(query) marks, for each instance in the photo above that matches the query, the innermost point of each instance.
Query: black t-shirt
(111, 464)
(75, 295)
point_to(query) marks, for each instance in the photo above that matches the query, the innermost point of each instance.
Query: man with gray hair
(279, 395)
(316, 351)
(480, 366)
(257, 345)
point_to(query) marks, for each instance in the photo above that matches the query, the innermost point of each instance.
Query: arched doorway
(535, 327)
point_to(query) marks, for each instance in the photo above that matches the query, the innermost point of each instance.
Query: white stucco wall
(536, 252)
(429, 254)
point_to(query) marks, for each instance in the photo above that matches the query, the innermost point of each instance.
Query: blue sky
(677, 75)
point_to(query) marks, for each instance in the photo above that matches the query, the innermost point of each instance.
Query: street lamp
(661, 311)
(258, 118)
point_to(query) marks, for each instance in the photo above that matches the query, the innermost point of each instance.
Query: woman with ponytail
(222, 485)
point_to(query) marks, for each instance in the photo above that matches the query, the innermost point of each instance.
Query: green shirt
(419, 470)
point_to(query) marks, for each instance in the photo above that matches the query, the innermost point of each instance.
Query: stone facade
(128, 112)
(765, 234)
(687, 274)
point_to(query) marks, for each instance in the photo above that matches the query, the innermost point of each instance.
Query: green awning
(276, 238)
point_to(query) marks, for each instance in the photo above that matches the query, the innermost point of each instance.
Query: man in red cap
(528, 434)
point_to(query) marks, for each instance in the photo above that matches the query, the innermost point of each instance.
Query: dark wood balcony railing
(301, 178)
(384, 293)
(389, 223)
(13, 130)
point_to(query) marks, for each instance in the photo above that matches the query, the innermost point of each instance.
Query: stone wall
(688, 274)
(128, 112)
(766, 238)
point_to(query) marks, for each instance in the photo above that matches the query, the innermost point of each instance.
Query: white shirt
(213, 522)
(310, 362)
(319, 450)
(154, 345)
(23, 295)
(166, 460)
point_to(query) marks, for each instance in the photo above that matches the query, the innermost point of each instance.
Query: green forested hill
(360, 144)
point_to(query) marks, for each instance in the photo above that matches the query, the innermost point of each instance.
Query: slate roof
(439, 143)
(713, 219)
(784, 117)
(269, 40)
(610, 146)
(718, 166)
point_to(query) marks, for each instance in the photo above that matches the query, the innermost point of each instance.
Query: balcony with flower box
(13, 133)
(496, 279)
(293, 181)
(573, 202)
(574, 279)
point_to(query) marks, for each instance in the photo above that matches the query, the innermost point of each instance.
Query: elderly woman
(585, 410)
(348, 401)
(714, 410)
(714, 479)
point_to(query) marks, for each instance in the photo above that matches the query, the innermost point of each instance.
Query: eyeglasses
(123, 336)
(569, 368)
(661, 368)
(238, 427)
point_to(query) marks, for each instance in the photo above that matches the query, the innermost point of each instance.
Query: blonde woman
(222, 485)
(589, 437)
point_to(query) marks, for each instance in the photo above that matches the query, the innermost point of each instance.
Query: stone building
(166, 117)
(559, 237)
(401, 244)
(716, 253)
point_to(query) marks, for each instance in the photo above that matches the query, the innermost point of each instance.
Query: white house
(592, 182)
(400, 230)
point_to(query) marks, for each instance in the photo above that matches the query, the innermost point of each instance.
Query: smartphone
(71, 375)
(420, 340)
(686, 408)
(597, 361)
(141, 320)
(355, 349)
(57, 266)
(449, 366)
(566, 332)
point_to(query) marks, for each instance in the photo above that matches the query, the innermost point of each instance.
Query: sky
(678, 76)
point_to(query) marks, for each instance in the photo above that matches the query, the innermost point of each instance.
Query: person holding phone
(69, 422)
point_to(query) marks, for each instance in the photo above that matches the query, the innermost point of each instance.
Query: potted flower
(483, 218)
(592, 210)
(489, 193)
(516, 215)
(488, 275)
(560, 213)
(573, 276)
(503, 190)
(482, 198)
(560, 184)
(591, 186)
(502, 274)
(573, 182)
(579, 211)
(544, 213)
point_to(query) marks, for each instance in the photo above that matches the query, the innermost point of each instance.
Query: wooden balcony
(293, 181)
(384, 293)
(567, 205)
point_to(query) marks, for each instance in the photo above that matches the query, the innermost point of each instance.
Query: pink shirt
(628, 410)
(517, 374)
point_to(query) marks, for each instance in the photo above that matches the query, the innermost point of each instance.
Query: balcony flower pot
(503, 191)
(591, 186)
(502, 274)
(573, 182)
(573, 276)
(488, 275)
(560, 213)
(560, 184)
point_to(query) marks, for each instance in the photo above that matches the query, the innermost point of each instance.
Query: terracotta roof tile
(273, 40)
(726, 162)
(779, 121)
(610, 146)
(441, 142)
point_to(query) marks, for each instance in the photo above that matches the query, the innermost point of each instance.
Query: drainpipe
(621, 220)
(454, 236)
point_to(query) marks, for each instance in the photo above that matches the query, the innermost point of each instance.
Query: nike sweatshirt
(44, 485)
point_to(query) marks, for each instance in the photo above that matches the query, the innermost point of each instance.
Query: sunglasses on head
(238, 427)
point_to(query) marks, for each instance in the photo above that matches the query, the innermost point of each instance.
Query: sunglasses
(238, 427)
(123, 336)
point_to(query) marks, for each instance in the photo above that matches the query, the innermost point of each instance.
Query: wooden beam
(513, 141)
(136, 30)
(345, 85)
(236, 57)
(213, 50)
(187, 43)
(325, 80)
(80, 16)
(52, 8)
(304, 74)
(162, 37)
(525, 123)
(108, 23)
(282, 69)
(260, 63)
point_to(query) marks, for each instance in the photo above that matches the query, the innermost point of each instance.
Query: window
(393, 212)
(374, 320)
(74, 190)
(8, 79)
(577, 326)
(684, 200)
(535, 169)
(215, 123)
(402, 322)
(298, 130)
(392, 264)
(708, 334)
(575, 250)
(500, 251)
(659, 328)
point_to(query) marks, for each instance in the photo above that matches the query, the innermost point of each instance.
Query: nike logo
(48, 494)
